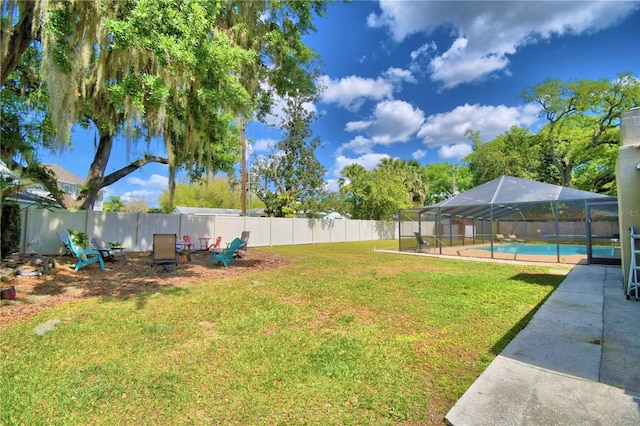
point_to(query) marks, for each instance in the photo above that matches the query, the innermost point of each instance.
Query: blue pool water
(549, 249)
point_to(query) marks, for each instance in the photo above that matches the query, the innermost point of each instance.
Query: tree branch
(119, 174)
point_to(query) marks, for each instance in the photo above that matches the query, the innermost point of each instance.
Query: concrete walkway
(576, 363)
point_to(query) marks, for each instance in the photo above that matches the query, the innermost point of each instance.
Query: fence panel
(227, 227)
(321, 234)
(337, 230)
(154, 223)
(302, 231)
(39, 229)
(377, 230)
(113, 226)
(282, 231)
(259, 228)
(135, 230)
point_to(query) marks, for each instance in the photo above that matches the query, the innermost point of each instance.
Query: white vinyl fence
(135, 230)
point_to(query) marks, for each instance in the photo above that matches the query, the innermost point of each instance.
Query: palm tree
(412, 175)
(113, 204)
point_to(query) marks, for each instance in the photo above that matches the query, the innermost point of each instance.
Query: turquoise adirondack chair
(226, 255)
(85, 257)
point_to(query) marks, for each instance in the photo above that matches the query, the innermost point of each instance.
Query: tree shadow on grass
(539, 278)
(142, 298)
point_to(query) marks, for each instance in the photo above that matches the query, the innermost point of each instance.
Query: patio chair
(501, 238)
(186, 242)
(422, 244)
(64, 241)
(107, 252)
(226, 255)
(85, 257)
(615, 239)
(245, 239)
(164, 252)
(513, 237)
(216, 246)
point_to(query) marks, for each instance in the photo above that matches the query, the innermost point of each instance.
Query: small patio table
(113, 253)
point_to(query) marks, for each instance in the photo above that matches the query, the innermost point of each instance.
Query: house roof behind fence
(206, 211)
(65, 175)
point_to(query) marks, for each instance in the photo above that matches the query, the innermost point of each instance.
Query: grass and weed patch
(342, 335)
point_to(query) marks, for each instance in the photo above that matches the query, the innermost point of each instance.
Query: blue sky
(406, 79)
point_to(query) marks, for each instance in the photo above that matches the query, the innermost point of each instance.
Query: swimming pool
(549, 249)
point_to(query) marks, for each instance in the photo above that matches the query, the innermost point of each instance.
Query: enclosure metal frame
(492, 213)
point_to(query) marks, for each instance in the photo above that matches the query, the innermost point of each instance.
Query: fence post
(86, 221)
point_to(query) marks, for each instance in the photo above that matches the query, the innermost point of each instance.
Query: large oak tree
(582, 116)
(179, 70)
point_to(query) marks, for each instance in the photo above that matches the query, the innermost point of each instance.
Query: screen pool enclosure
(510, 210)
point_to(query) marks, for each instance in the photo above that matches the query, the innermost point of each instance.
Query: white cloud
(418, 154)
(154, 181)
(331, 185)
(398, 75)
(449, 128)
(394, 121)
(356, 126)
(357, 145)
(141, 195)
(351, 92)
(484, 34)
(459, 65)
(368, 161)
(263, 145)
(421, 58)
(423, 50)
(391, 122)
(457, 151)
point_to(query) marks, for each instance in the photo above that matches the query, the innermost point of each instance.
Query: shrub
(80, 239)
(10, 229)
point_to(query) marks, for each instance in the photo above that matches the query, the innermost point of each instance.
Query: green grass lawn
(343, 335)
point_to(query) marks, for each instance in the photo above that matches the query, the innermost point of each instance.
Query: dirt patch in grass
(121, 278)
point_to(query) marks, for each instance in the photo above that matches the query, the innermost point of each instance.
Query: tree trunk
(564, 170)
(95, 178)
(566, 176)
(94, 182)
(560, 163)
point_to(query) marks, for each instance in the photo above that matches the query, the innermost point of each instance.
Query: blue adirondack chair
(226, 255)
(85, 257)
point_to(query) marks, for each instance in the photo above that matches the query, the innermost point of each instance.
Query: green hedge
(10, 229)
